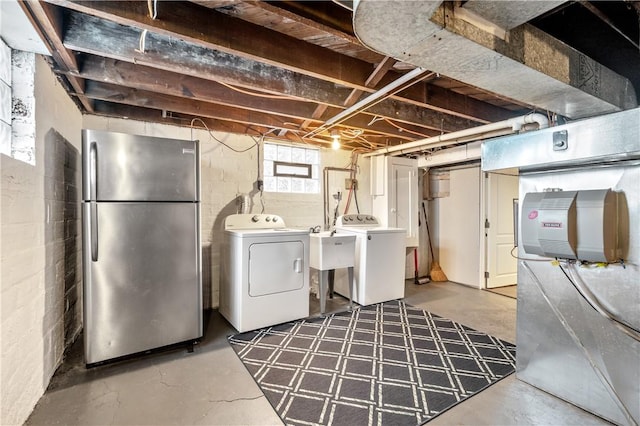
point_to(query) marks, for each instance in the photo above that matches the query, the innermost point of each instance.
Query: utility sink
(328, 251)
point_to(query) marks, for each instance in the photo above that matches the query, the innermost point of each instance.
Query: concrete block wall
(40, 249)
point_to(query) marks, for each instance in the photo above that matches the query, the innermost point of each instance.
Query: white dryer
(380, 260)
(264, 272)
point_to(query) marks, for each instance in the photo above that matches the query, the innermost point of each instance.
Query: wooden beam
(146, 78)
(47, 20)
(317, 113)
(234, 36)
(118, 73)
(122, 111)
(169, 103)
(381, 69)
(143, 98)
(92, 35)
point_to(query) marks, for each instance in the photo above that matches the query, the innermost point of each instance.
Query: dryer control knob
(275, 219)
(255, 218)
(268, 219)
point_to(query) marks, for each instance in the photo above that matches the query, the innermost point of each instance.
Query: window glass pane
(270, 184)
(297, 185)
(270, 152)
(312, 156)
(292, 169)
(284, 184)
(268, 168)
(311, 186)
(315, 172)
(284, 153)
(298, 155)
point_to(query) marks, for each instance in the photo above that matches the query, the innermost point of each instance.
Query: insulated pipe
(499, 128)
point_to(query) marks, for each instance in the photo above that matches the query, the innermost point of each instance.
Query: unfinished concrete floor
(211, 386)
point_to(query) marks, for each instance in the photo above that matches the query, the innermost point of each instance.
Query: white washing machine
(380, 260)
(264, 272)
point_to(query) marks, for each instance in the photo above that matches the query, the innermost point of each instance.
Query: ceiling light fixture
(335, 135)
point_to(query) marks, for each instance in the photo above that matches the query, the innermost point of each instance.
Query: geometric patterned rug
(384, 364)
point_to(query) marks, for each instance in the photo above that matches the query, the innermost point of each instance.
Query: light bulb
(335, 135)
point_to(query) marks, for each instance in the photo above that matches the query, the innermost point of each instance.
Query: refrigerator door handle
(93, 167)
(94, 231)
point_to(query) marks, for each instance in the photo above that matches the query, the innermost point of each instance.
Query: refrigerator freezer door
(142, 286)
(121, 167)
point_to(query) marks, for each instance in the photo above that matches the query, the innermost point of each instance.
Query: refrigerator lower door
(142, 283)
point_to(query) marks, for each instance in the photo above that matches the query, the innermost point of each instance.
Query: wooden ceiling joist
(243, 66)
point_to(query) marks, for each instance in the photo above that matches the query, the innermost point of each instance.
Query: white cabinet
(394, 191)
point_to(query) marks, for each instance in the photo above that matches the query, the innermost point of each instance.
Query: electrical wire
(402, 129)
(250, 93)
(142, 42)
(153, 8)
(255, 144)
(528, 259)
(626, 327)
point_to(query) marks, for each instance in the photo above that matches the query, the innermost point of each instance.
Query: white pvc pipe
(499, 128)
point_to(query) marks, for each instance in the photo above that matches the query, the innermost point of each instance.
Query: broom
(436, 273)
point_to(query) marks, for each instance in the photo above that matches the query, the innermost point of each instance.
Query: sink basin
(331, 252)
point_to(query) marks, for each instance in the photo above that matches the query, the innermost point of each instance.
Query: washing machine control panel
(357, 220)
(253, 221)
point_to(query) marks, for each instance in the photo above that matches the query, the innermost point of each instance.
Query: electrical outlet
(348, 183)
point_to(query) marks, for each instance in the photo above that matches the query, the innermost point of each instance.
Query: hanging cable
(595, 304)
(402, 129)
(255, 144)
(248, 92)
(142, 42)
(153, 8)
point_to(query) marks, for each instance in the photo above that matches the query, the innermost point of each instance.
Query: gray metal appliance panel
(564, 346)
(122, 167)
(596, 140)
(142, 288)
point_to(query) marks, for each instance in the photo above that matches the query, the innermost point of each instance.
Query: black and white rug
(389, 364)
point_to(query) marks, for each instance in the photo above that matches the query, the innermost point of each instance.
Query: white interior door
(459, 235)
(501, 267)
(404, 201)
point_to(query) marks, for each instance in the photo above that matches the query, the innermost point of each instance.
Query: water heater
(580, 225)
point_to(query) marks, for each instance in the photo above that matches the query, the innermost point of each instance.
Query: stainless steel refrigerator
(141, 243)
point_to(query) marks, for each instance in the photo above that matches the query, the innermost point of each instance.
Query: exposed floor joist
(284, 68)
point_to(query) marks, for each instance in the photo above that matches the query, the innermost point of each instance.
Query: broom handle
(426, 222)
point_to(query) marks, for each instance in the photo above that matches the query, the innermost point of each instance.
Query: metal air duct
(521, 63)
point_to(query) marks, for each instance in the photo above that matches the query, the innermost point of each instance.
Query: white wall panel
(458, 227)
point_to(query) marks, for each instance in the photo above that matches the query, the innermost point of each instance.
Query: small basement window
(17, 104)
(291, 169)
